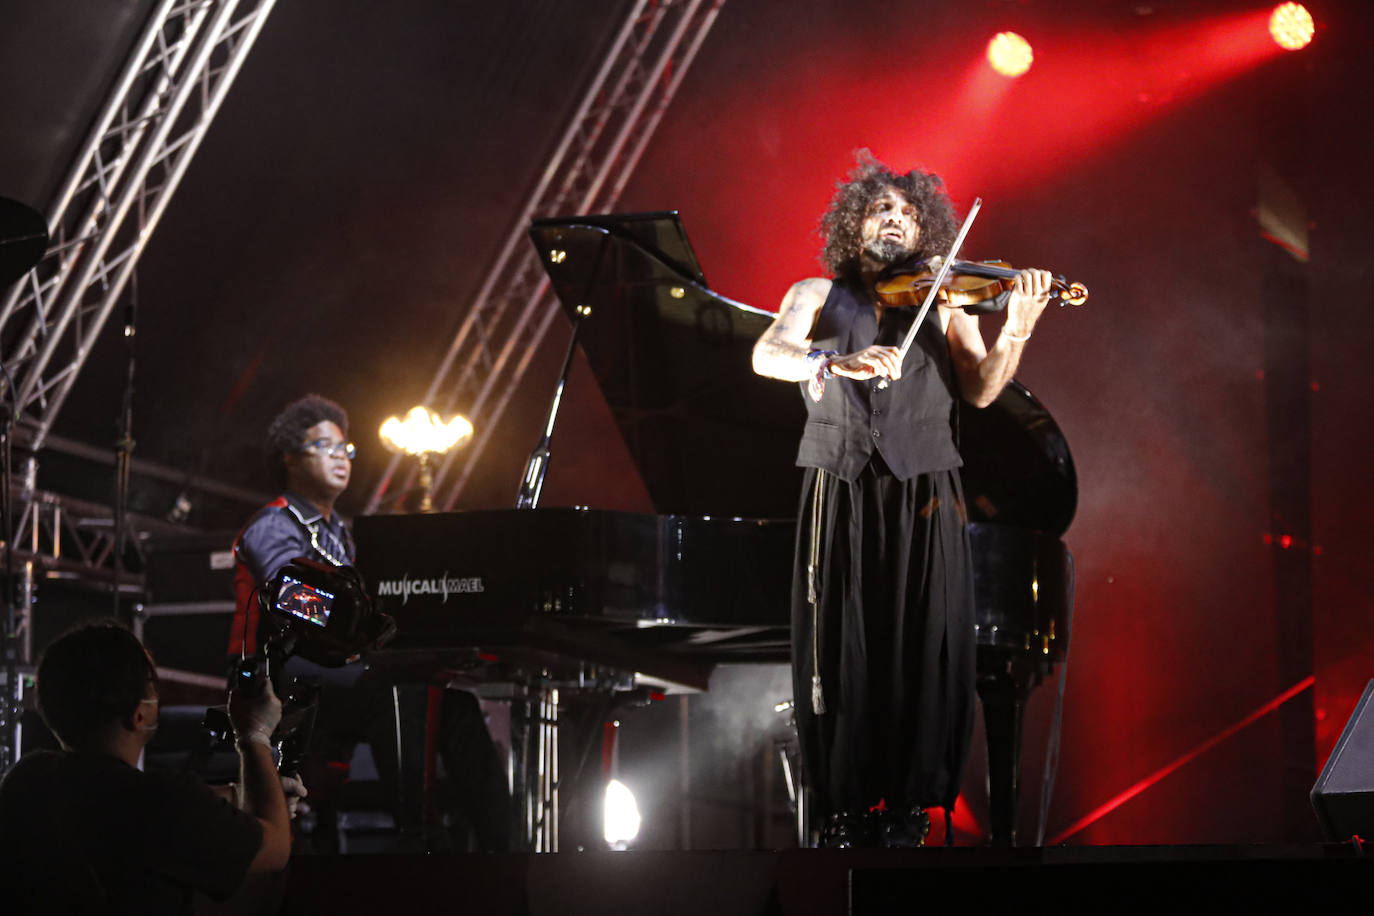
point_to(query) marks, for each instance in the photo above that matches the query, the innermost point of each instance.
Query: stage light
(1010, 54)
(1291, 26)
(622, 815)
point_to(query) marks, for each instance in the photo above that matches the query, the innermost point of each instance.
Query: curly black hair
(841, 228)
(286, 434)
(92, 676)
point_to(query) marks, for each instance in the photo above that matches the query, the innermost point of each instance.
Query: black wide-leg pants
(896, 643)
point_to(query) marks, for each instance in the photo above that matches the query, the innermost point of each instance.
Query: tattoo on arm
(781, 352)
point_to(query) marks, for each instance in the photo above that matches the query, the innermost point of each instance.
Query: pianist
(309, 453)
(308, 449)
(882, 632)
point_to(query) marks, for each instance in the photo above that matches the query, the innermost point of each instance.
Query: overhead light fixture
(1291, 26)
(1010, 54)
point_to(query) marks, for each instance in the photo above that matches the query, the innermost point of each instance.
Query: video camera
(325, 612)
(321, 613)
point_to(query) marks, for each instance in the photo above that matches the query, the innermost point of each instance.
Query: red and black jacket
(286, 528)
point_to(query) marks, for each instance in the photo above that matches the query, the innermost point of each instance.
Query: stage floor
(1146, 879)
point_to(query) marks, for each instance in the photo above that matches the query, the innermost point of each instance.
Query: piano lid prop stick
(936, 285)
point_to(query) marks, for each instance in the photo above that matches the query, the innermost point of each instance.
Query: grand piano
(584, 599)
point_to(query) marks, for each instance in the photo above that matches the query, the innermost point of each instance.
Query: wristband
(819, 362)
(253, 738)
(1014, 337)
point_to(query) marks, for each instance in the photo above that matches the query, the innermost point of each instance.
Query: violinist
(882, 599)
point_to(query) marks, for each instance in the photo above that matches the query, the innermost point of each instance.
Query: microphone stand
(124, 448)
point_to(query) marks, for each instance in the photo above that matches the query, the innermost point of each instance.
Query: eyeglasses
(332, 449)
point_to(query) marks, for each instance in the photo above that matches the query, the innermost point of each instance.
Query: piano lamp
(423, 434)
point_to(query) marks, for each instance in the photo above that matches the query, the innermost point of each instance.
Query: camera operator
(85, 830)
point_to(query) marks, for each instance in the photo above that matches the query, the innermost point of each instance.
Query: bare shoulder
(798, 311)
(811, 290)
(805, 298)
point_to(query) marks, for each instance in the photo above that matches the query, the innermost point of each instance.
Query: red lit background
(365, 166)
(1127, 158)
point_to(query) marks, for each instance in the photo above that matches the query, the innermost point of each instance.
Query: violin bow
(939, 280)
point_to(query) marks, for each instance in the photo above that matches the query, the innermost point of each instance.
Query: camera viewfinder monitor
(300, 599)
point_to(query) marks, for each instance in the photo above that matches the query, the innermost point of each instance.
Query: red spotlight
(1291, 26)
(1010, 54)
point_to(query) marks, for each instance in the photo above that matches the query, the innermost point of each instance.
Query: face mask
(148, 729)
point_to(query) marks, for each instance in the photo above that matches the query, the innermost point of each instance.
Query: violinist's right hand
(870, 362)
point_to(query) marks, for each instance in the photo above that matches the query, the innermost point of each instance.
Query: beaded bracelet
(819, 360)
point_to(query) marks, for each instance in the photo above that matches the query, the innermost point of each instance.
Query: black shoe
(905, 829)
(848, 831)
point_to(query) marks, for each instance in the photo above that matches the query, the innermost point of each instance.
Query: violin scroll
(1074, 294)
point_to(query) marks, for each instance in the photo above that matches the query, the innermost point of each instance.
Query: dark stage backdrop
(347, 200)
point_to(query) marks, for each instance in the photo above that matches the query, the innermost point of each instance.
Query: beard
(887, 251)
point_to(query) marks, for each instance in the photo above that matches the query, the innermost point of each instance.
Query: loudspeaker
(1344, 794)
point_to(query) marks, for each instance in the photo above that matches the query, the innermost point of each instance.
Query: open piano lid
(673, 360)
(712, 438)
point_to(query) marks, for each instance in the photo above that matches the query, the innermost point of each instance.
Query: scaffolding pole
(160, 106)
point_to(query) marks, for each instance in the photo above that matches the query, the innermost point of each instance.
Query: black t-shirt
(87, 827)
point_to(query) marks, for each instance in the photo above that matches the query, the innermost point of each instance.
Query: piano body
(578, 599)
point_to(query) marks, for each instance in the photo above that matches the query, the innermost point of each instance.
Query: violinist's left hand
(1030, 293)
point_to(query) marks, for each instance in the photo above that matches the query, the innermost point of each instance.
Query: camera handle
(299, 705)
(300, 698)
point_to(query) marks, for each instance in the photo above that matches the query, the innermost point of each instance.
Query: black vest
(909, 423)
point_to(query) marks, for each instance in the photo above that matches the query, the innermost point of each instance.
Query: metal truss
(159, 108)
(140, 145)
(60, 537)
(594, 159)
(57, 537)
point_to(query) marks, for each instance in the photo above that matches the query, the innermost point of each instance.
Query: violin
(971, 285)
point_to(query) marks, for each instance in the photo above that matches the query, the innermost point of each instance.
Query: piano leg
(548, 771)
(523, 742)
(1004, 694)
(534, 770)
